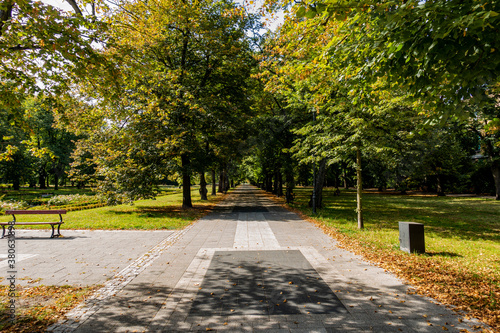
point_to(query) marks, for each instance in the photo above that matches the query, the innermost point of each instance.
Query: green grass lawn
(461, 265)
(163, 213)
(461, 229)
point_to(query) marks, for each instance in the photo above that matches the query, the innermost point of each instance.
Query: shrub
(72, 199)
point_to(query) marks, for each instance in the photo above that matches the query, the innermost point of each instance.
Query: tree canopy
(400, 94)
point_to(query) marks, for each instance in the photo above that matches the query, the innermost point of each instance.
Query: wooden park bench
(34, 212)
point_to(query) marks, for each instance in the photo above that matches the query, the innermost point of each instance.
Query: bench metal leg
(58, 230)
(3, 234)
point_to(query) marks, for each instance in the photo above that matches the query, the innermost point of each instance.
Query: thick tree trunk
(214, 184)
(226, 181)
(186, 183)
(269, 183)
(41, 180)
(203, 187)
(318, 185)
(221, 181)
(495, 169)
(16, 183)
(359, 189)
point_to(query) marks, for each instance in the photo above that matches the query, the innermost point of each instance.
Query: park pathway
(253, 266)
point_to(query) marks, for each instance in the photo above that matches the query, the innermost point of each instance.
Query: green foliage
(184, 77)
(46, 49)
(442, 51)
(72, 199)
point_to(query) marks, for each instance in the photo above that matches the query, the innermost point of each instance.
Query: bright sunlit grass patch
(164, 212)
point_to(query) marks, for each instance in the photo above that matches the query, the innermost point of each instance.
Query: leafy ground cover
(39, 307)
(461, 266)
(164, 212)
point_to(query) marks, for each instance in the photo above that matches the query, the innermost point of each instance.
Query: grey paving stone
(229, 271)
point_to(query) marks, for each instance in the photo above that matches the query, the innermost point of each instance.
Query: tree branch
(23, 48)
(5, 15)
(75, 7)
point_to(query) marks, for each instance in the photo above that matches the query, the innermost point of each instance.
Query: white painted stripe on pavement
(254, 235)
(5, 263)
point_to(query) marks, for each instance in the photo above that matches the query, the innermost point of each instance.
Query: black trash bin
(411, 237)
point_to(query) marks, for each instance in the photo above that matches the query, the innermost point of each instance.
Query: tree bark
(344, 172)
(16, 183)
(290, 185)
(495, 170)
(226, 181)
(203, 187)
(439, 186)
(318, 185)
(359, 189)
(41, 179)
(56, 181)
(186, 182)
(5, 14)
(221, 181)
(75, 7)
(214, 183)
(280, 185)
(275, 183)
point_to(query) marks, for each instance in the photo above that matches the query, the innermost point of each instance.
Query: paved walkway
(252, 266)
(81, 257)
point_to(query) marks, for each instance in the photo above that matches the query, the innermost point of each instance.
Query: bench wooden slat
(16, 212)
(34, 212)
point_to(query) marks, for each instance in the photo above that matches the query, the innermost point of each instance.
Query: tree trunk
(214, 184)
(221, 181)
(226, 181)
(344, 171)
(16, 183)
(41, 180)
(290, 185)
(275, 183)
(318, 185)
(269, 184)
(280, 185)
(56, 181)
(359, 189)
(495, 169)
(439, 186)
(203, 187)
(186, 183)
